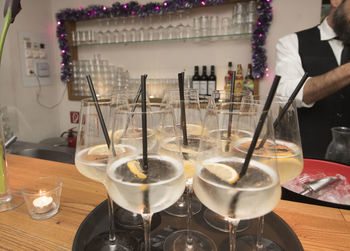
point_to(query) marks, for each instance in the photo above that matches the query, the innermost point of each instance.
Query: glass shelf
(231, 36)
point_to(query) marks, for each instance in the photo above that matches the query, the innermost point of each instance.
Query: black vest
(317, 57)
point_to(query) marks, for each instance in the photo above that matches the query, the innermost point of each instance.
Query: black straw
(260, 125)
(144, 123)
(136, 99)
(232, 92)
(290, 100)
(99, 113)
(181, 78)
(286, 106)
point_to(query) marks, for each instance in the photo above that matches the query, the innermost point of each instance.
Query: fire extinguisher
(72, 138)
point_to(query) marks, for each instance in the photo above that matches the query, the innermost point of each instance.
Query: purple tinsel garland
(264, 11)
(259, 58)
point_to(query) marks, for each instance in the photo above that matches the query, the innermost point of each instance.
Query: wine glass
(219, 182)
(91, 157)
(189, 133)
(9, 199)
(218, 98)
(127, 96)
(147, 180)
(289, 159)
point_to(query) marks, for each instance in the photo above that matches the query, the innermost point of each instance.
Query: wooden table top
(318, 228)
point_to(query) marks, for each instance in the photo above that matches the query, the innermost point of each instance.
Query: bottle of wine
(228, 77)
(196, 78)
(239, 80)
(211, 80)
(203, 83)
(249, 80)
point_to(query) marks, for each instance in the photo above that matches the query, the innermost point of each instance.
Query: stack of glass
(106, 77)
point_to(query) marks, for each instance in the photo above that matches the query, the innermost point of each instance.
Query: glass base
(218, 222)
(101, 242)
(15, 200)
(177, 241)
(179, 209)
(126, 218)
(248, 243)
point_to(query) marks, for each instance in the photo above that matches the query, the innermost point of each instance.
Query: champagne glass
(9, 199)
(91, 157)
(289, 159)
(218, 181)
(189, 133)
(139, 182)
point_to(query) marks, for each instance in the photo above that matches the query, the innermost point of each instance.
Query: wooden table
(318, 228)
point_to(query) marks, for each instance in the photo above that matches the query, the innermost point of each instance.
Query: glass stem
(189, 240)
(112, 236)
(233, 224)
(147, 218)
(259, 234)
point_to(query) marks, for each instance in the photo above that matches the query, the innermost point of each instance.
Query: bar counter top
(318, 228)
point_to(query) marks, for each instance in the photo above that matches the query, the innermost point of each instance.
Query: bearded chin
(341, 26)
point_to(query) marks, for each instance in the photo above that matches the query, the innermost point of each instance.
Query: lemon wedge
(99, 150)
(223, 172)
(135, 168)
(194, 129)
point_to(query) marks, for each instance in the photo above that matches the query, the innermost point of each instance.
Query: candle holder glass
(42, 197)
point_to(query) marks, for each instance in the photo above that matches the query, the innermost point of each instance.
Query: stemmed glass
(91, 157)
(194, 130)
(218, 181)
(289, 158)
(8, 199)
(146, 180)
(189, 134)
(218, 98)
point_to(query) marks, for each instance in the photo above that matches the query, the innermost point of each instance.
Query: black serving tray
(163, 224)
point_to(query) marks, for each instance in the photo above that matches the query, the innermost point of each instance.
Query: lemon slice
(223, 172)
(194, 129)
(99, 150)
(189, 166)
(135, 168)
(175, 148)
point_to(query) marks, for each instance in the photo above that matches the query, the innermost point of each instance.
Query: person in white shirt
(324, 101)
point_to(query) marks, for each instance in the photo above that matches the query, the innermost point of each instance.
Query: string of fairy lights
(264, 18)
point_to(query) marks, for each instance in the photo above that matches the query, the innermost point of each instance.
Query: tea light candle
(42, 204)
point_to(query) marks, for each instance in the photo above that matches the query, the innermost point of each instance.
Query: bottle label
(203, 87)
(195, 85)
(211, 86)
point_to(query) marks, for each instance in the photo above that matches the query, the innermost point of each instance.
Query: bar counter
(318, 228)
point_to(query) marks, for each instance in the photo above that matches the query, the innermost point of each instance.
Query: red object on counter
(72, 138)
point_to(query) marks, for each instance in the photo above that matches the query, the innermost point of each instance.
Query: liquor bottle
(196, 78)
(239, 80)
(228, 77)
(249, 80)
(203, 83)
(211, 80)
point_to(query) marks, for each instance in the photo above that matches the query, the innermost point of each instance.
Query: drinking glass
(218, 98)
(194, 126)
(218, 181)
(139, 182)
(289, 159)
(9, 199)
(132, 97)
(91, 157)
(189, 133)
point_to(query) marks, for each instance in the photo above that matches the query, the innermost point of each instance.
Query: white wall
(33, 122)
(163, 59)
